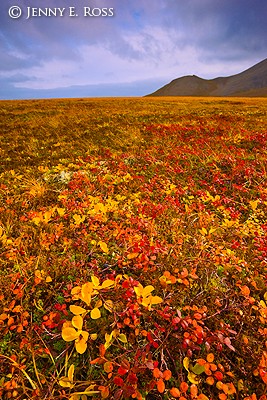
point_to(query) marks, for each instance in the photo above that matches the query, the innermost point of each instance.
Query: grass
(149, 214)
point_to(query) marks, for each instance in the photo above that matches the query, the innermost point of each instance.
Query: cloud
(144, 40)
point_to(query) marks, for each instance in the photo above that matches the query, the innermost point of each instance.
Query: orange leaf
(108, 367)
(201, 361)
(183, 387)
(96, 361)
(104, 391)
(213, 367)
(157, 373)
(210, 380)
(210, 357)
(245, 291)
(102, 350)
(10, 321)
(225, 388)
(245, 340)
(222, 396)
(130, 256)
(167, 375)
(201, 396)
(160, 385)
(231, 388)
(175, 392)
(193, 391)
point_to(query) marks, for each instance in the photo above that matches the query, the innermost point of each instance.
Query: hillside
(251, 82)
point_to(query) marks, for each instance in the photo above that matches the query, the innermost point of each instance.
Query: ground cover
(133, 249)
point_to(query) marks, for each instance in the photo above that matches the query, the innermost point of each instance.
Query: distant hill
(249, 83)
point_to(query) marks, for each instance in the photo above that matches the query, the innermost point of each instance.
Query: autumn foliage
(133, 242)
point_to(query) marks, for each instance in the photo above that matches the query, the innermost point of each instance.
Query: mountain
(249, 83)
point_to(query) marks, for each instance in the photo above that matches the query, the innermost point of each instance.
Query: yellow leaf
(71, 372)
(109, 305)
(155, 300)
(47, 215)
(80, 345)
(95, 281)
(69, 334)
(93, 336)
(107, 283)
(87, 289)
(77, 322)
(76, 310)
(78, 219)
(108, 367)
(48, 279)
(193, 378)
(265, 296)
(211, 230)
(122, 338)
(108, 340)
(139, 290)
(95, 313)
(254, 204)
(36, 220)
(67, 324)
(65, 382)
(98, 303)
(61, 211)
(146, 301)
(147, 290)
(186, 362)
(262, 304)
(76, 292)
(83, 395)
(84, 334)
(103, 246)
(132, 255)
(108, 337)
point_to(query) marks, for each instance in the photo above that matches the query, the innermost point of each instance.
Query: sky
(103, 48)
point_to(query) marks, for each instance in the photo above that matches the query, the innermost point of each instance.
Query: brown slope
(251, 82)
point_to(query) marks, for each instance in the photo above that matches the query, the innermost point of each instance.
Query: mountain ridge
(249, 83)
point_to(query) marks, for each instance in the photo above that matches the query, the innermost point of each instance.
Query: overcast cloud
(145, 44)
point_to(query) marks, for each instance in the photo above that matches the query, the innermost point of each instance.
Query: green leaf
(122, 338)
(198, 369)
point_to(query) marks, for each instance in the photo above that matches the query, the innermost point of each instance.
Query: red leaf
(118, 381)
(218, 375)
(122, 371)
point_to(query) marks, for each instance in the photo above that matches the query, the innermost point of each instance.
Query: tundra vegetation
(133, 242)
